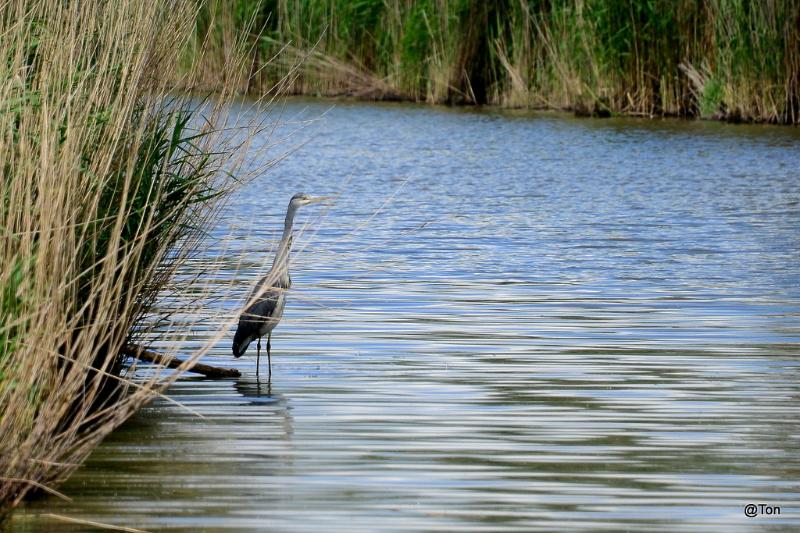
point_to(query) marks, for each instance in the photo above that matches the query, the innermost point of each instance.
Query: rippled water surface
(505, 322)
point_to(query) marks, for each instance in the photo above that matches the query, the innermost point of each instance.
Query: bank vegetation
(728, 59)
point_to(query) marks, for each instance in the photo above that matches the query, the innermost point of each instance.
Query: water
(506, 322)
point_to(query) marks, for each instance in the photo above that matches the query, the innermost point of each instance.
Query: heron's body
(261, 317)
(268, 299)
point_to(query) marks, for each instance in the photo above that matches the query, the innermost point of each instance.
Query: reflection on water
(506, 322)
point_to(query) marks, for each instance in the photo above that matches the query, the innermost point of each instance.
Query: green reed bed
(723, 58)
(104, 188)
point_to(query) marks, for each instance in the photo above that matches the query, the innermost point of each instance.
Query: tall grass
(725, 58)
(104, 186)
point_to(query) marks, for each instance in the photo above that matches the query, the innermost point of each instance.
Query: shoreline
(563, 112)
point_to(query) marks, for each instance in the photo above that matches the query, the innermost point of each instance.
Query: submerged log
(131, 350)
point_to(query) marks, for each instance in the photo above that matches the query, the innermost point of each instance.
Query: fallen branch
(131, 350)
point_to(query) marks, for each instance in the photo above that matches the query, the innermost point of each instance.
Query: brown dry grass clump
(104, 186)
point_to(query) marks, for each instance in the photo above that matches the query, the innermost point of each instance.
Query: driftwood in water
(131, 350)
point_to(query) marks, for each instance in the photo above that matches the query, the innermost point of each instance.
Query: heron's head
(300, 199)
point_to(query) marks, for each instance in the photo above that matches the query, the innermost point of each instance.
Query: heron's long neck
(282, 257)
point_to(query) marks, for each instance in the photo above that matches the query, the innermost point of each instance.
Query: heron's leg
(258, 354)
(269, 358)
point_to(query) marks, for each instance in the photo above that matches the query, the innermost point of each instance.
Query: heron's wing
(262, 309)
(271, 284)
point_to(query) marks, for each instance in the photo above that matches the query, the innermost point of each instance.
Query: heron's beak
(318, 199)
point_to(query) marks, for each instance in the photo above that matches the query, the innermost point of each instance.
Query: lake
(506, 321)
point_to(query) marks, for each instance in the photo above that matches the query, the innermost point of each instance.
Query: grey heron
(266, 302)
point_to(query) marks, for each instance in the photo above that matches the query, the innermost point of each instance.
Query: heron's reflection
(260, 392)
(256, 390)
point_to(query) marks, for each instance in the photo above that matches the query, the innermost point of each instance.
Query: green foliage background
(730, 59)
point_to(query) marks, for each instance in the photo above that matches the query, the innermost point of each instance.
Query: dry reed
(104, 187)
